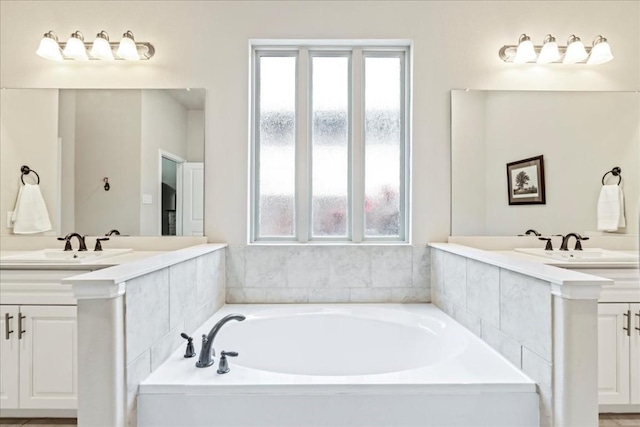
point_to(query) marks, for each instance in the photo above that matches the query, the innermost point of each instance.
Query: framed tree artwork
(525, 180)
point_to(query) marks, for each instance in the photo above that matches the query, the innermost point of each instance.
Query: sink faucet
(565, 242)
(533, 232)
(113, 232)
(208, 352)
(67, 239)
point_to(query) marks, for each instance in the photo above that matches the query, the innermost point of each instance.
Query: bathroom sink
(61, 256)
(586, 255)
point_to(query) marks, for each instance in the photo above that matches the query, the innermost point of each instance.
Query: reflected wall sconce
(102, 48)
(549, 52)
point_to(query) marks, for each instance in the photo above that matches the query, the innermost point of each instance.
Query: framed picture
(526, 181)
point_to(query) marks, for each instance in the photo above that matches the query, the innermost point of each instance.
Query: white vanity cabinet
(38, 339)
(39, 357)
(619, 340)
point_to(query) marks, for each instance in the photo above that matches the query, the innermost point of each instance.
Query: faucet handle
(190, 351)
(99, 241)
(67, 245)
(223, 366)
(578, 246)
(548, 246)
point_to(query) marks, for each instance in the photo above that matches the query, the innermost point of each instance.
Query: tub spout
(208, 352)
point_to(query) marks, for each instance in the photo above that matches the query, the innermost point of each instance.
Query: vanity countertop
(90, 265)
(573, 264)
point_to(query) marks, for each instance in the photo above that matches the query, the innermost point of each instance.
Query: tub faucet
(565, 242)
(208, 352)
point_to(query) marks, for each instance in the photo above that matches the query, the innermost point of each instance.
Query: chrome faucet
(208, 352)
(67, 239)
(565, 242)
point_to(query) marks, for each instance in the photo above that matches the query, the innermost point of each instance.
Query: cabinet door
(9, 357)
(48, 358)
(613, 354)
(635, 354)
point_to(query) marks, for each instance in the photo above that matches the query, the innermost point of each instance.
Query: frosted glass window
(275, 159)
(330, 146)
(383, 145)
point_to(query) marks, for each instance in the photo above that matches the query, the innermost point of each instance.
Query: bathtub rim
(178, 375)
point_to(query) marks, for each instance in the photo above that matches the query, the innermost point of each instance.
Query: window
(329, 155)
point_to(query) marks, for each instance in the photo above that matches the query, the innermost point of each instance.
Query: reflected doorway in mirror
(525, 179)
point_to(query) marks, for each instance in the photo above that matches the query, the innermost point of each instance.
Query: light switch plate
(147, 199)
(9, 221)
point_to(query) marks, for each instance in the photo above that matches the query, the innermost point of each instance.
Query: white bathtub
(341, 365)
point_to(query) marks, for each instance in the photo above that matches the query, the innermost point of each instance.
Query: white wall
(581, 135)
(206, 44)
(29, 136)
(107, 136)
(164, 127)
(468, 162)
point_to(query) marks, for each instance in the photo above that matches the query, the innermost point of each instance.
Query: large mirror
(124, 159)
(581, 136)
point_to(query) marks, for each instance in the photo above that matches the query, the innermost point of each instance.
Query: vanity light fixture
(549, 52)
(75, 48)
(525, 51)
(127, 48)
(49, 47)
(101, 49)
(600, 52)
(575, 50)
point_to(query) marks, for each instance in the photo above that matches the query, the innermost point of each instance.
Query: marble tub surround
(327, 274)
(541, 318)
(129, 321)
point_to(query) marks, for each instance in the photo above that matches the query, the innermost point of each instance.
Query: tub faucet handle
(223, 367)
(190, 351)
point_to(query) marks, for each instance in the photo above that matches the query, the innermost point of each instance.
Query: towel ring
(616, 171)
(25, 170)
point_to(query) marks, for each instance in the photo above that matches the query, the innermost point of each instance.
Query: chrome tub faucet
(207, 352)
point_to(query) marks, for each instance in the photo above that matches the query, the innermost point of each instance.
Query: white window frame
(304, 51)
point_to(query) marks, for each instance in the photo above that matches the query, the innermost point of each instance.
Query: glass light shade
(549, 53)
(600, 53)
(101, 49)
(525, 52)
(127, 49)
(75, 49)
(575, 52)
(49, 49)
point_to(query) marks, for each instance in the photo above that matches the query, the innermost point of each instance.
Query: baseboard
(619, 409)
(38, 413)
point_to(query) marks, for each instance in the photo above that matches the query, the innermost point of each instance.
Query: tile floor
(606, 420)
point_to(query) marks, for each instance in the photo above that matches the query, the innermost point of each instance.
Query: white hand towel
(30, 215)
(611, 208)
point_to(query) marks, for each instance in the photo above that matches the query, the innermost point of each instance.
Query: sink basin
(586, 255)
(60, 256)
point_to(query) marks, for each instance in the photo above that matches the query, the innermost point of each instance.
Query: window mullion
(302, 148)
(357, 147)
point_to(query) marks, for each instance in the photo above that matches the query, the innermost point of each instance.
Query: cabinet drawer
(625, 287)
(37, 287)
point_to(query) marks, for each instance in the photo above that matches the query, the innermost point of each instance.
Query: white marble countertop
(110, 282)
(573, 264)
(566, 283)
(90, 265)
